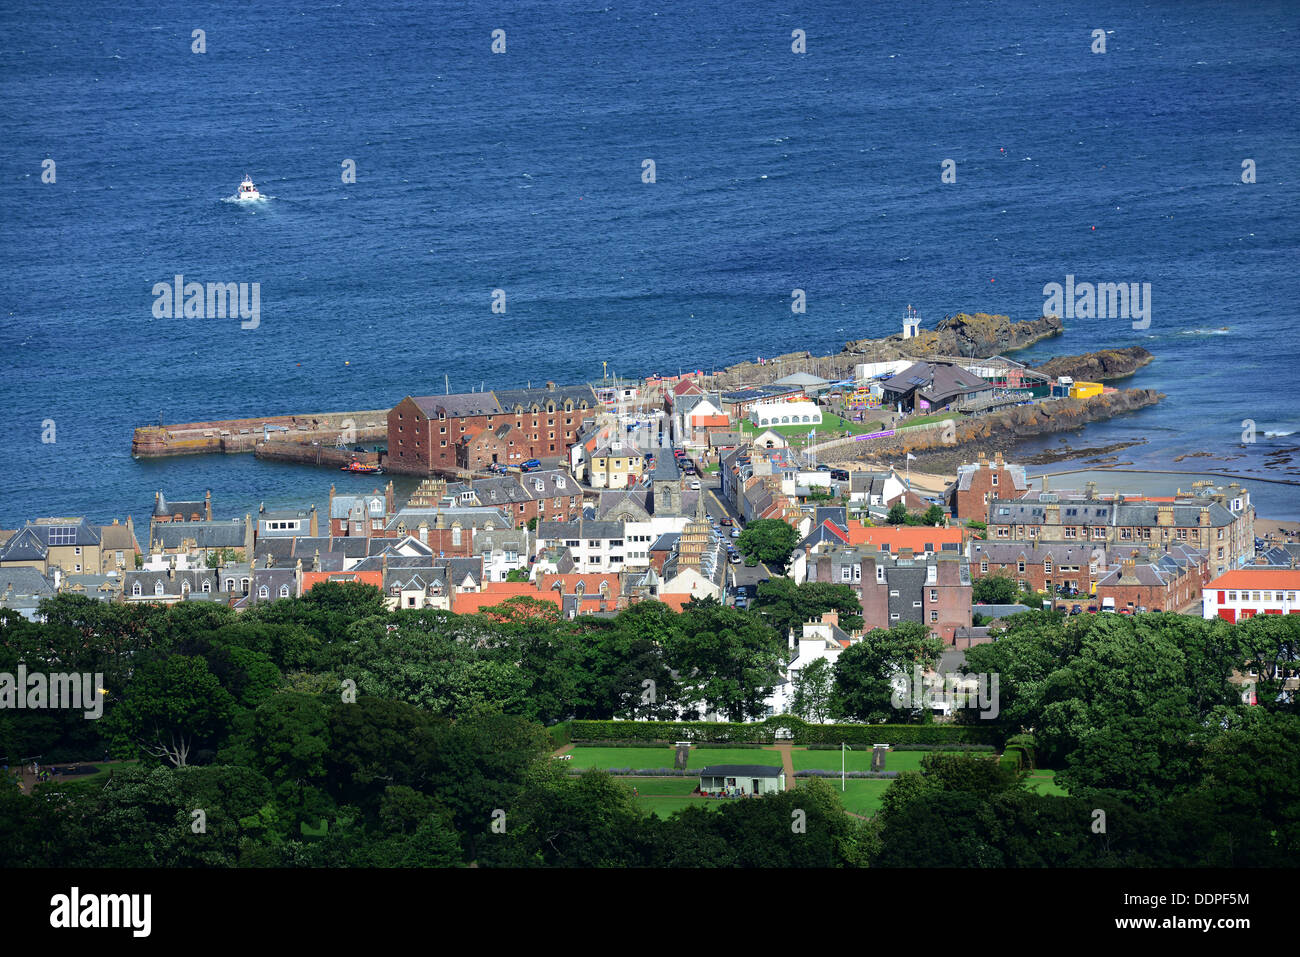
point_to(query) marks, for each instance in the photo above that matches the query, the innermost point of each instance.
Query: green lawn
(703, 757)
(634, 758)
(927, 419)
(663, 796)
(830, 423)
(805, 760)
(1044, 782)
(639, 758)
(860, 795)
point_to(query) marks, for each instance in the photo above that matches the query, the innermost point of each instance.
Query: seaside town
(593, 497)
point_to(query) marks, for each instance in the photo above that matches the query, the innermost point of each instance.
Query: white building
(785, 413)
(819, 639)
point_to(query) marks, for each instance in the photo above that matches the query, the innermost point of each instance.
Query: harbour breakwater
(241, 435)
(941, 447)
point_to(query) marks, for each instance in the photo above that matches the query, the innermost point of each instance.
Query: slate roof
(32, 541)
(938, 381)
(22, 580)
(228, 534)
(741, 771)
(342, 505)
(584, 529)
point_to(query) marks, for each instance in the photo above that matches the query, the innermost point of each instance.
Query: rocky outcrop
(940, 449)
(1098, 366)
(979, 335)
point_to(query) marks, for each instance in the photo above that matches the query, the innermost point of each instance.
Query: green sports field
(860, 796)
(640, 758)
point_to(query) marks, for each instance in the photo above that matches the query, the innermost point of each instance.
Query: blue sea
(523, 172)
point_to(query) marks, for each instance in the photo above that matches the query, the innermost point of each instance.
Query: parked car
(735, 533)
(530, 465)
(741, 601)
(1092, 609)
(727, 521)
(695, 486)
(1076, 610)
(735, 558)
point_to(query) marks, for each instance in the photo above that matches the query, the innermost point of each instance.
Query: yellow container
(1085, 390)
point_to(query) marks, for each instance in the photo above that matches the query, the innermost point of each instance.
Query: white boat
(247, 190)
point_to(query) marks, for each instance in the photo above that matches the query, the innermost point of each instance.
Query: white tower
(911, 323)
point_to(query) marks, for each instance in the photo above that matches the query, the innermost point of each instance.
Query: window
(158, 588)
(846, 574)
(934, 616)
(185, 587)
(77, 550)
(916, 604)
(135, 589)
(284, 591)
(934, 594)
(995, 479)
(263, 592)
(207, 587)
(893, 593)
(984, 567)
(893, 616)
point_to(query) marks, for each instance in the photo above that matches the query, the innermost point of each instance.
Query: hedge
(850, 774)
(560, 733)
(801, 732)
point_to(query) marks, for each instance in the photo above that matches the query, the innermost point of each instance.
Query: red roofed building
(1245, 592)
(921, 539)
(375, 578)
(494, 593)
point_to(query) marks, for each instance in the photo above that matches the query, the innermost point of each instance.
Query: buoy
(346, 362)
(1094, 229)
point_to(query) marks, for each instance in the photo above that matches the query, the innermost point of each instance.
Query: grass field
(830, 423)
(858, 760)
(663, 796)
(639, 758)
(860, 796)
(1044, 782)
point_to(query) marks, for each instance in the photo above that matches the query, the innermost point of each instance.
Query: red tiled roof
(914, 537)
(1284, 578)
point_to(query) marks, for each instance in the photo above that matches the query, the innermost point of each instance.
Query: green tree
(812, 690)
(898, 514)
(785, 605)
(768, 540)
(726, 658)
(171, 708)
(865, 673)
(995, 590)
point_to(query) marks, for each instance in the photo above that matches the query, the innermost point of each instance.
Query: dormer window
(264, 592)
(135, 589)
(158, 588)
(207, 587)
(284, 591)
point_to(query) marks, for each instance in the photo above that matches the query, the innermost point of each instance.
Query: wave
(1221, 331)
(1277, 435)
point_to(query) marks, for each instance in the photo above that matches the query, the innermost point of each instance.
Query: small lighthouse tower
(911, 323)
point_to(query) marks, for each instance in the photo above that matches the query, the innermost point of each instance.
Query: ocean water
(523, 172)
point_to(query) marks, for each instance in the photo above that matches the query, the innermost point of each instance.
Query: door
(755, 791)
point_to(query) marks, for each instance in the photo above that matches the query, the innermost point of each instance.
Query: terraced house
(444, 433)
(893, 589)
(1221, 524)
